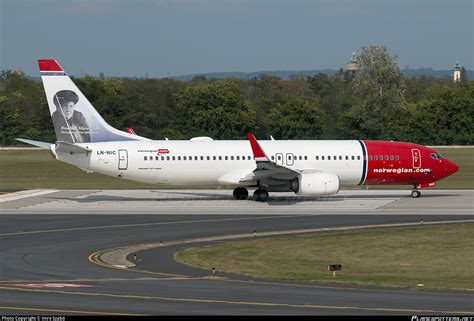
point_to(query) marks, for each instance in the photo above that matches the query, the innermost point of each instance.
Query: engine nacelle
(317, 183)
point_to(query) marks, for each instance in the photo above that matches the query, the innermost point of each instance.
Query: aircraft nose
(451, 167)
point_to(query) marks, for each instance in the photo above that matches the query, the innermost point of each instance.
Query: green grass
(464, 158)
(437, 256)
(27, 169)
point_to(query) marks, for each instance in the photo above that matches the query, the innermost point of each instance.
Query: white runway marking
(25, 194)
(221, 202)
(162, 201)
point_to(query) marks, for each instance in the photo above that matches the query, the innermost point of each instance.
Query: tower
(353, 65)
(457, 73)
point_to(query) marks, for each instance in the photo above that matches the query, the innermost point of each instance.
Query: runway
(47, 262)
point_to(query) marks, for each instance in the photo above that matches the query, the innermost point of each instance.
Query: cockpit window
(436, 156)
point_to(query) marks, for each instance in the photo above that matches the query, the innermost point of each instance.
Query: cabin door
(123, 159)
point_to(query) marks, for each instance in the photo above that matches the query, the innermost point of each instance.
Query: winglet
(258, 153)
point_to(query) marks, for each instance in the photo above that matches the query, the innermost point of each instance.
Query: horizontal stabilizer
(66, 147)
(43, 145)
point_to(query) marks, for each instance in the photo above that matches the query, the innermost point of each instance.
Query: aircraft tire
(260, 195)
(241, 193)
(415, 193)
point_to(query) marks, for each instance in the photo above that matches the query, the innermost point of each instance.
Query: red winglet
(256, 149)
(49, 65)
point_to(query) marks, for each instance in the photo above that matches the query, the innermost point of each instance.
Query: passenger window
(248, 157)
(213, 157)
(167, 158)
(226, 157)
(238, 157)
(144, 157)
(195, 158)
(273, 157)
(386, 157)
(370, 157)
(391, 157)
(381, 157)
(190, 158)
(340, 157)
(301, 157)
(352, 157)
(156, 157)
(358, 157)
(208, 157)
(162, 157)
(306, 158)
(397, 157)
(220, 157)
(375, 157)
(202, 157)
(279, 157)
(329, 157)
(347, 157)
(179, 157)
(231, 157)
(174, 157)
(322, 157)
(317, 157)
(184, 157)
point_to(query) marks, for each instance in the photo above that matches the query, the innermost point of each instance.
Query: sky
(172, 37)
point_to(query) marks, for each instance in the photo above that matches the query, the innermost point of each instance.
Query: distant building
(463, 74)
(353, 65)
(457, 73)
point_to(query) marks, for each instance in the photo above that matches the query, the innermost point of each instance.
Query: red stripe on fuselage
(404, 170)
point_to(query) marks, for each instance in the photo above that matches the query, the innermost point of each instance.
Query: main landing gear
(241, 193)
(260, 195)
(415, 193)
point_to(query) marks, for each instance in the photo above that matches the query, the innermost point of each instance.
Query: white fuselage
(215, 162)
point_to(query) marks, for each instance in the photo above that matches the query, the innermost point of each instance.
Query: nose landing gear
(415, 193)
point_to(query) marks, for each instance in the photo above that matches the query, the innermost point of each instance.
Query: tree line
(376, 102)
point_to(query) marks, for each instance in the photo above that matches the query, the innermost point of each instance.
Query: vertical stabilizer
(75, 120)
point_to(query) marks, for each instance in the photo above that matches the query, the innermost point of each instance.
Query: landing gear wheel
(260, 195)
(415, 193)
(241, 193)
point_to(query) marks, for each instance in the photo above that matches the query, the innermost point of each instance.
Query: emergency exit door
(416, 158)
(123, 159)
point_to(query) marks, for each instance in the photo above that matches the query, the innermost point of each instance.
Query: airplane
(305, 167)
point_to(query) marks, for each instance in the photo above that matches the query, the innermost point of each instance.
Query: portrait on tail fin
(69, 124)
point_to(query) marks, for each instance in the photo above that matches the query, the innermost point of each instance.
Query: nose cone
(451, 167)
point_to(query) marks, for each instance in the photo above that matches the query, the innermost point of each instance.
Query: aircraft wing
(266, 168)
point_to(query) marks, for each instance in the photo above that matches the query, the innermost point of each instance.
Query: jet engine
(317, 183)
